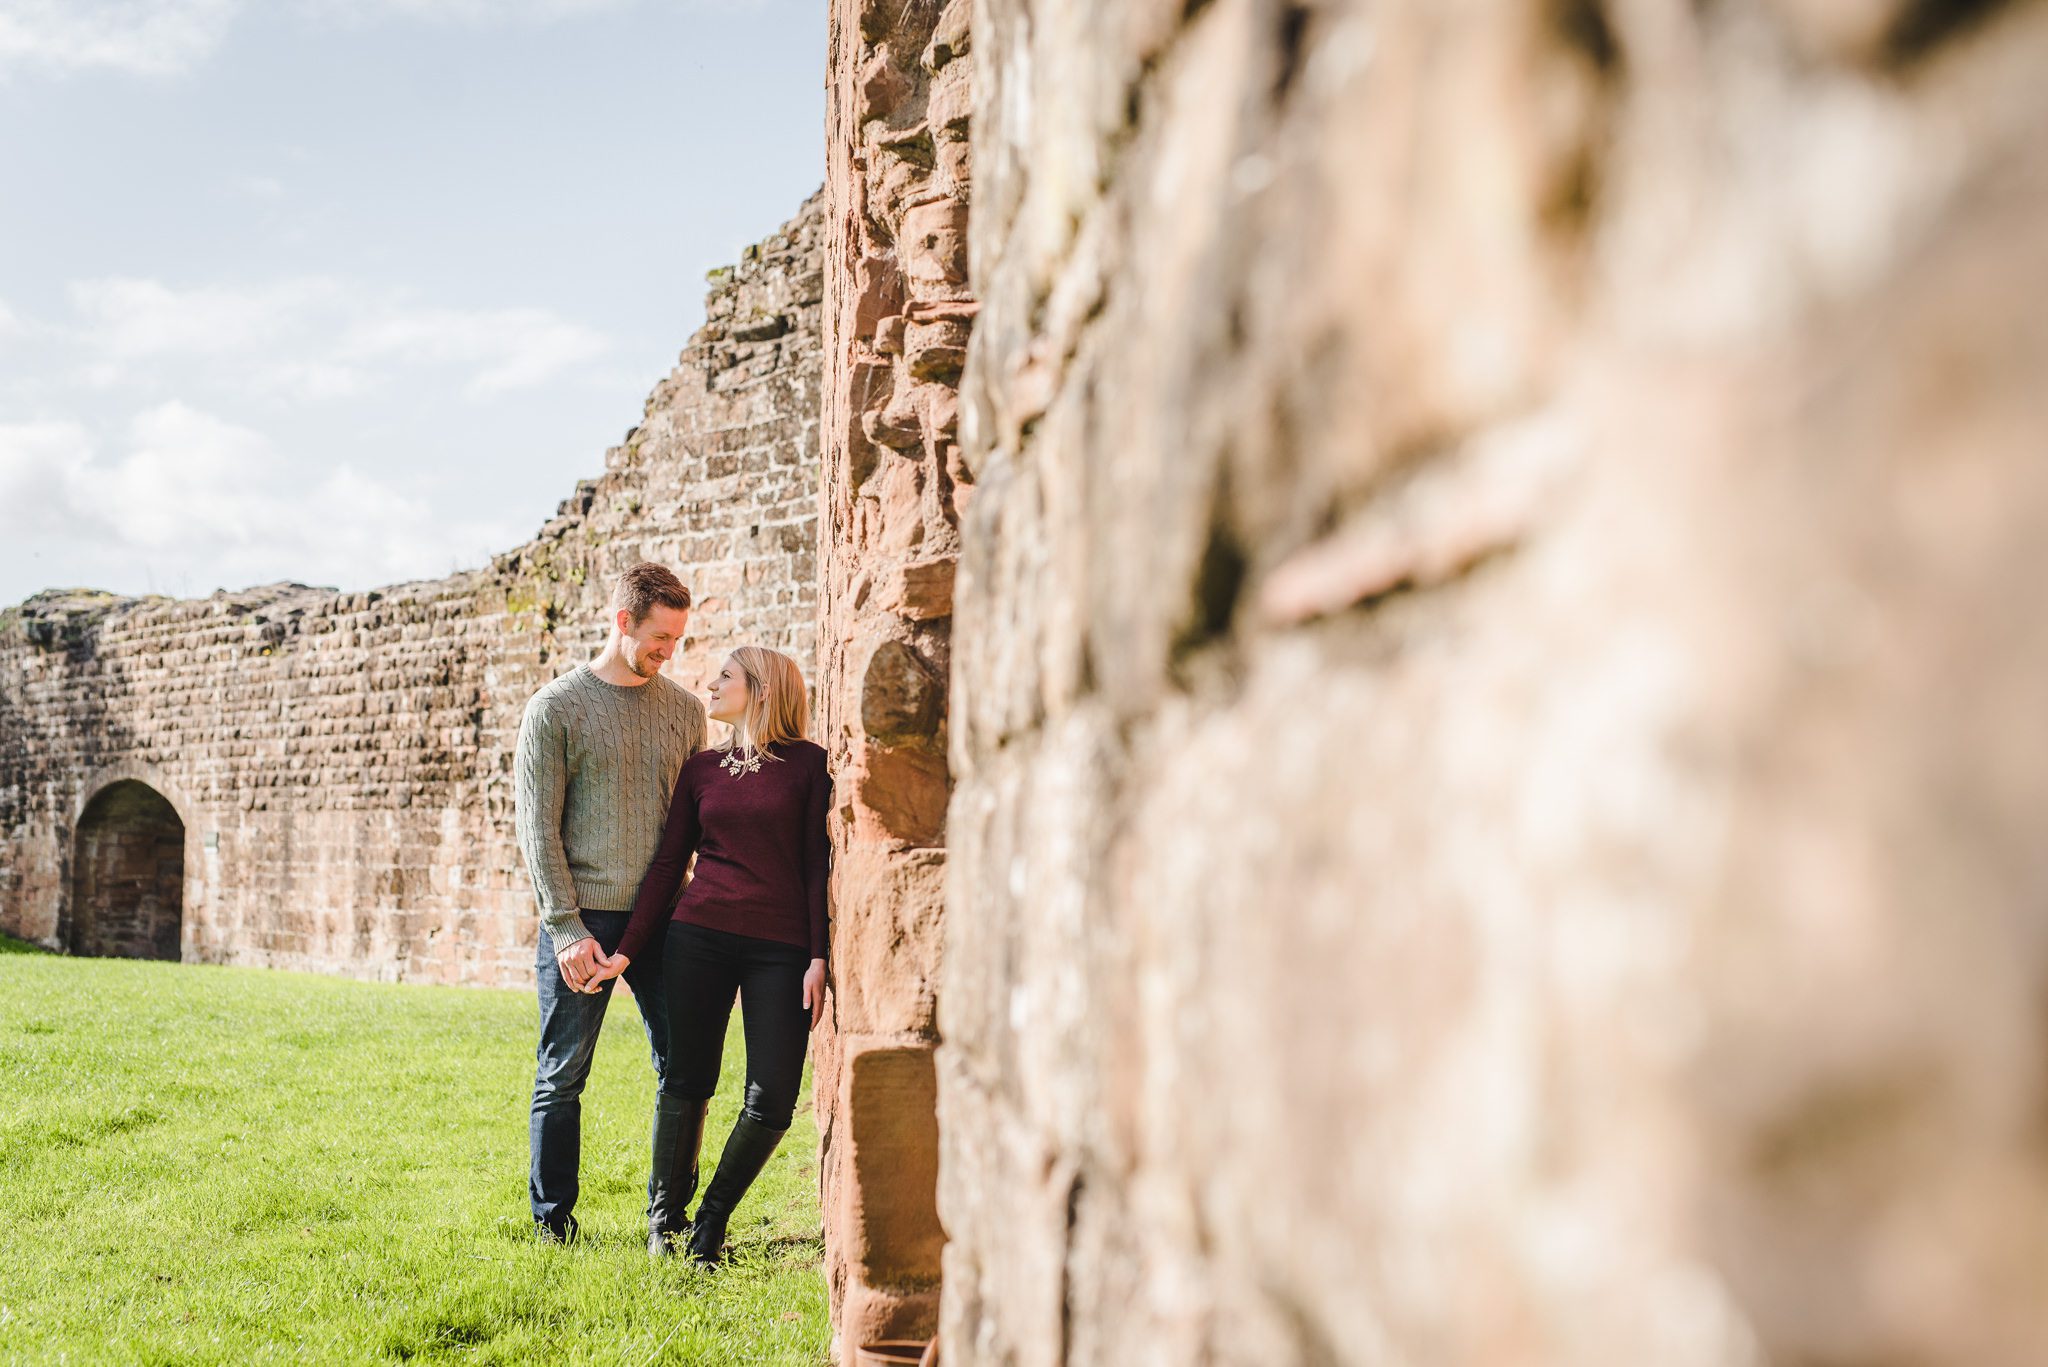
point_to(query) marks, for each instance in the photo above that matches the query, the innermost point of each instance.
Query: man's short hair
(645, 587)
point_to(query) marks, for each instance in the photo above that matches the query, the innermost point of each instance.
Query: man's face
(645, 645)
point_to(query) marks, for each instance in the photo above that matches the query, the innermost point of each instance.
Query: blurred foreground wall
(1500, 686)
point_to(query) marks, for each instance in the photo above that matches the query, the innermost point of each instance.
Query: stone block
(878, 293)
(888, 1108)
(901, 794)
(761, 329)
(950, 105)
(896, 423)
(900, 699)
(951, 36)
(898, 488)
(919, 590)
(936, 350)
(933, 246)
(885, 908)
(882, 86)
(941, 415)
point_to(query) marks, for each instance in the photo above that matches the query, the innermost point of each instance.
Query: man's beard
(639, 663)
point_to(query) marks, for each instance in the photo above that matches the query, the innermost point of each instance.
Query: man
(599, 752)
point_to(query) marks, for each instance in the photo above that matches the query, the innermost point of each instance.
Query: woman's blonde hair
(776, 705)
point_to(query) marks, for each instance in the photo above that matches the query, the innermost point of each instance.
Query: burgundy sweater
(761, 849)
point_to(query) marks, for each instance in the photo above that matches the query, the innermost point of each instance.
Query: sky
(350, 292)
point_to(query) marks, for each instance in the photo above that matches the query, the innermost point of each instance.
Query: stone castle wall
(1497, 681)
(341, 762)
(898, 319)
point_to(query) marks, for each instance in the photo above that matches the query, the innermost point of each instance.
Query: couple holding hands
(617, 789)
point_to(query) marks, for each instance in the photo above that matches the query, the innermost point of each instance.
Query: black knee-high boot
(747, 1150)
(678, 1138)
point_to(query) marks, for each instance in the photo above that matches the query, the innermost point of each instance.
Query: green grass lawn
(233, 1165)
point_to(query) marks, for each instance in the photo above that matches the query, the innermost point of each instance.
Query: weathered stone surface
(890, 1106)
(760, 329)
(899, 697)
(896, 178)
(886, 980)
(899, 793)
(882, 86)
(1496, 700)
(950, 38)
(340, 763)
(898, 423)
(874, 1314)
(936, 350)
(918, 590)
(941, 407)
(933, 243)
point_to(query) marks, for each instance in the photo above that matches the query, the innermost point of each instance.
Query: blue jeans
(569, 1024)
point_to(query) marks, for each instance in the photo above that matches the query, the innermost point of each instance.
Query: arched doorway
(128, 875)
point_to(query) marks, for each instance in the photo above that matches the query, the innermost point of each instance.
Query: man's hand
(584, 965)
(814, 990)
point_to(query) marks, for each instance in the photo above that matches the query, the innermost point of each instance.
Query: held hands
(585, 966)
(612, 967)
(814, 990)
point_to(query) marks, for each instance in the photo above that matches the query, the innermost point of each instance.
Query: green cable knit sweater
(595, 766)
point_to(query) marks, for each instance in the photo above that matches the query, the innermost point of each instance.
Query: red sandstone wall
(898, 318)
(340, 761)
(1498, 697)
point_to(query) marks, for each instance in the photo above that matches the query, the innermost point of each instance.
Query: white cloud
(310, 380)
(128, 318)
(141, 37)
(188, 476)
(315, 338)
(173, 37)
(258, 187)
(477, 12)
(173, 447)
(211, 502)
(40, 463)
(505, 348)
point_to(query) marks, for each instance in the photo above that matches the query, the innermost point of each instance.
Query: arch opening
(128, 875)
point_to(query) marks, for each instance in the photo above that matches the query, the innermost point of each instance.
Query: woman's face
(727, 695)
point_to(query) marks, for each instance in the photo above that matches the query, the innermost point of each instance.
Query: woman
(751, 920)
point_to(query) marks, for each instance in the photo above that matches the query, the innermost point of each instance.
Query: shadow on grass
(810, 1247)
(466, 1321)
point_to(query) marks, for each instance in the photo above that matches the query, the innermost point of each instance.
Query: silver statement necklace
(740, 765)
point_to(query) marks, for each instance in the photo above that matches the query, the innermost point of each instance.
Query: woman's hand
(814, 990)
(608, 966)
(584, 965)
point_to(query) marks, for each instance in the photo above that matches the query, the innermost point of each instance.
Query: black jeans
(569, 1024)
(701, 969)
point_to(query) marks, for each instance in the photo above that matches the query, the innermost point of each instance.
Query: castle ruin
(1424, 615)
(299, 778)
